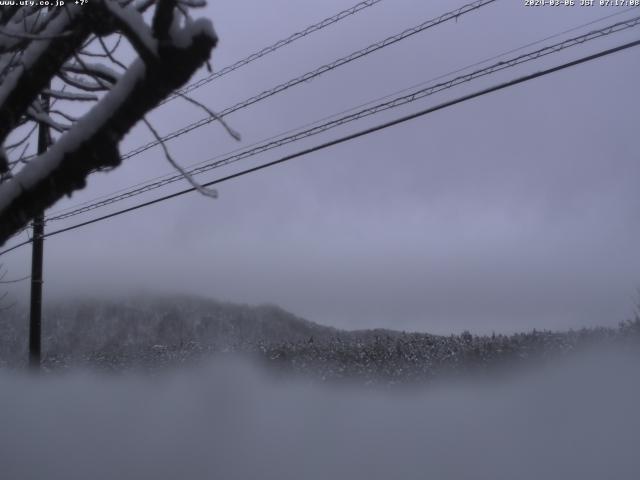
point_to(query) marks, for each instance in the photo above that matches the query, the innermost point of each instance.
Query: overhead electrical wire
(394, 103)
(353, 136)
(267, 50)
(448, 16)
(56, 213)
(445, 17)
(273, 47)
(15, 280)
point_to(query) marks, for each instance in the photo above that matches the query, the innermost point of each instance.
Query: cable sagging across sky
(143, 184)
(273, 47)
(445, 17)
(353, 136)
(393, 103)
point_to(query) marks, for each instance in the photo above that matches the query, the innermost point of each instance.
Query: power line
(445, 17)
(352, 136)
(270, 49)
(363, 113)
(451, 15)
(273, 47)
(513, 50)
(394, 103)
(15, 280)
(172, 177)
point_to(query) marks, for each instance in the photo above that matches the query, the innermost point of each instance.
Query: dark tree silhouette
(50, 57)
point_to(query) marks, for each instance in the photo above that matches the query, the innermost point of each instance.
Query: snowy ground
(227, 420)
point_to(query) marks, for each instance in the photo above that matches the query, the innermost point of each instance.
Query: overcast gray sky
(514, 211)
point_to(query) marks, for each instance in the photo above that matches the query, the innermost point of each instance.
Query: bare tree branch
(40, 62)
(94, 69)
(235, 135)
(169, 53)
(132, 25)
(209, 192)
(162, 19)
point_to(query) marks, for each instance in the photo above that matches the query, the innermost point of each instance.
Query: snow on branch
(209, 192)
(92, 69)
(38, 63)
(62, 54)
(133, 26)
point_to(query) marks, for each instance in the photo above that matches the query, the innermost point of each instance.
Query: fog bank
(227, 420)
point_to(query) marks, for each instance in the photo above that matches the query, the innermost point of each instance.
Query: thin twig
(209, 192)
(214, 115)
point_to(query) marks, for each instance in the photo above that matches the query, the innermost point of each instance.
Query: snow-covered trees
(69, 53)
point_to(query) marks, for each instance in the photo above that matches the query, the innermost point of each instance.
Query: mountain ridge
(133, 321)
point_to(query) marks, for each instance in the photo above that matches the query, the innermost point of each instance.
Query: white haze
(514, 211)
(227, 420)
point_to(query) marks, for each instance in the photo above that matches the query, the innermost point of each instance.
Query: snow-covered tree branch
(70, 53)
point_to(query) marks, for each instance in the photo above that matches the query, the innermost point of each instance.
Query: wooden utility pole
(35, 322)
(37, 252)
